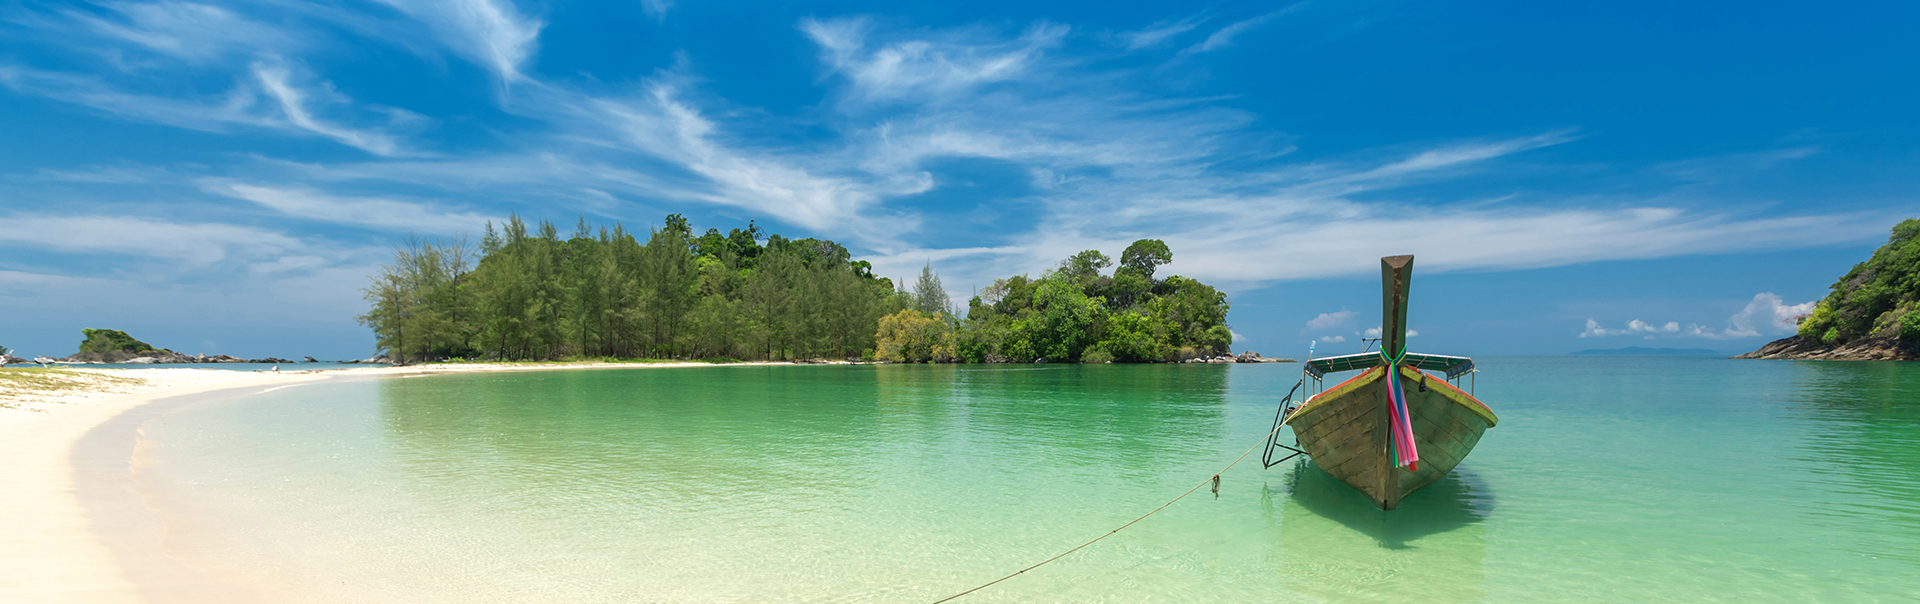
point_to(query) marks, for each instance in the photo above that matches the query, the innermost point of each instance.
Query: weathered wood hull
(1344, 430)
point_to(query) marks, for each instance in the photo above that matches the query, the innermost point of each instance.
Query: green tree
(911, 336)
(1873, 299)
(1144, 256)
(929, 296)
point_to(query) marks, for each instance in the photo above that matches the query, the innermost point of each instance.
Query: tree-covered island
(603, 292)
(1872, 312)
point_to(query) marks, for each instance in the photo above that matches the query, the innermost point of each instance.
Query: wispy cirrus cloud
(1160, 33)
(185, 30)
(198, 243)
(492, 33)
(925, 67)
(271, 97)
(382, 213)
(1223, 37)
(297, 108)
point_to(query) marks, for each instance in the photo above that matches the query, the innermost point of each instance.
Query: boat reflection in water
(1336, 545)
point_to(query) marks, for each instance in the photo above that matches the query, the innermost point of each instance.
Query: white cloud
(268, 98)
(1160, 32)
(1332, 339)
(1331, 320)
(293, 104)
(1765, 315)
(1374, 332)
(1223, 37)
(199, 243)
(287, 263)
(925, 67)
(363, 211)
(1634, 327)
(187, 30)
(656, 8)
(1236, 335)
(489, 32)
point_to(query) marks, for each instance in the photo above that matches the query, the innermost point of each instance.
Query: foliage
(1145, 255)
(1873, 299)
(1910, 326)
(929, 296)
(526, 294)
(110, 345)
(912, 336)
(1096, 355)
(111, 340)
(1076, 311)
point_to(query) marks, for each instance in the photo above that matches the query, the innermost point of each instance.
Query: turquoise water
(1608, 479)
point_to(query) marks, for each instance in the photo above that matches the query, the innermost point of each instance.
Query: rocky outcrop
(168, 357)
(1863, 349)
(309, 360)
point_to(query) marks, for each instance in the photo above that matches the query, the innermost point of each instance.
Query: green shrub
(1910, 326)
(1094, 355)
(911, 336)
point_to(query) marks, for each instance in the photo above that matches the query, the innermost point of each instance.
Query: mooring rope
(1214, 480)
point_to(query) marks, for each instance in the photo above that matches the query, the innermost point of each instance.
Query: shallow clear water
(1619, 479)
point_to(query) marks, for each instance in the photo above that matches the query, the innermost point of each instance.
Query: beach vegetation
(604, 294)
(914, 336)
(1076, 310)
(1876, 299)
(25, 383)
(526, 292)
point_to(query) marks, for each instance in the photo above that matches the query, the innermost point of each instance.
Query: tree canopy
(1878, 298)
(1076, 313)
(605, 292)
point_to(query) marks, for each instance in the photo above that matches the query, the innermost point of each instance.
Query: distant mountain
(1641, 350)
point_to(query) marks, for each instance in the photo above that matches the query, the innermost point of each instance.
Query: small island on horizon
(1642, 350)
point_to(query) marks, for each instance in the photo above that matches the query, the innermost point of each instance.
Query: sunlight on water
(1649, 479)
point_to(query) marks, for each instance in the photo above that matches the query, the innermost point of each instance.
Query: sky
(222, 177)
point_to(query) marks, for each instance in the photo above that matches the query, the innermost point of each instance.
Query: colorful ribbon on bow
(1400, 448)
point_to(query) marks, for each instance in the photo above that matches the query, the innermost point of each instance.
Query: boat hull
(1344, 430)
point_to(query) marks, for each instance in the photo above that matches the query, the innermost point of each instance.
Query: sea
(1615, 479)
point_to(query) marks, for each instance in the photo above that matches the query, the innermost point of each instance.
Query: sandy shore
(68, 531)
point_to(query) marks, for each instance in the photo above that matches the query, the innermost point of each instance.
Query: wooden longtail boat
(1355, 431)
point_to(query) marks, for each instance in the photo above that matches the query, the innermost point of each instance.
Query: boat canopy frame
(1452, 365)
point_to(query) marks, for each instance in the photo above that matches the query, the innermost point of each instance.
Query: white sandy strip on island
(51, 549)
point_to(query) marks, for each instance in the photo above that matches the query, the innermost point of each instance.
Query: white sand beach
(60, 542)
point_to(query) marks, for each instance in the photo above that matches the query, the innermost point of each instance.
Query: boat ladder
(1273, 438)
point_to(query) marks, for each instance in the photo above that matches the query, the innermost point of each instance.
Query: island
(1872, 314)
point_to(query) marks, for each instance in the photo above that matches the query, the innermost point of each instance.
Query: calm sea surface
(1608, 479)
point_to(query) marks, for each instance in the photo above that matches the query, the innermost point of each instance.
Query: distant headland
(1873, 313)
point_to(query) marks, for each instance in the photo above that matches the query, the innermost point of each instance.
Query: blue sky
(222, 176)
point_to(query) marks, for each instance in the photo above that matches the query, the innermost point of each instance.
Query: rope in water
(1214, 480)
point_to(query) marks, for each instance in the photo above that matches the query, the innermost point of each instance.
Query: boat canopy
(1453, 366)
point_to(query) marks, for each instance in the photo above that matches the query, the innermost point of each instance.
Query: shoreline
(72, 529)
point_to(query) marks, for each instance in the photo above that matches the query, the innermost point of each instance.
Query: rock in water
(310, 360)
